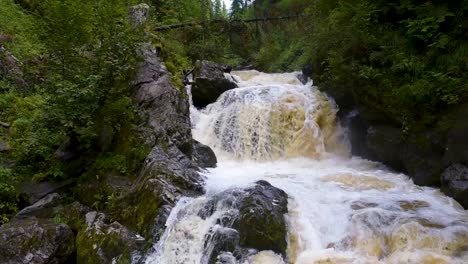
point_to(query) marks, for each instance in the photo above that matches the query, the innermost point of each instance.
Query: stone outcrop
(254, 222)
(209, 82)
(42, 207)
(102, 242)
(32, 191)
(162, 107)
(171, 169)
(38, 241)
(203, 155)
(423, 154)
(455, 183)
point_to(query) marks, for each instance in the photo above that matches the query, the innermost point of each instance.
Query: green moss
(138, 212)
(89, 243)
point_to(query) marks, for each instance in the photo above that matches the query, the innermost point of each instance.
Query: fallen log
(218, 21)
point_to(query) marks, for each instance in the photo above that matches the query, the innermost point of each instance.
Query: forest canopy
(73, 62)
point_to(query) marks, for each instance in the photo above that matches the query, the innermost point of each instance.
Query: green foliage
(19, 32)
(82, 57)
(404, 59)
(8, 195)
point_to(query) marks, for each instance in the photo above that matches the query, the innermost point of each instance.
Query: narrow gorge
(340, 209)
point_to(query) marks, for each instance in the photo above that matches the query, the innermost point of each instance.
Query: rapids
(342, 209)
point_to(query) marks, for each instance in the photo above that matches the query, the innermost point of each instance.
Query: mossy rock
(101, 242)
(36, 240)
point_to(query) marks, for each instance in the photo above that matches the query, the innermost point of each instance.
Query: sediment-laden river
(342, 209)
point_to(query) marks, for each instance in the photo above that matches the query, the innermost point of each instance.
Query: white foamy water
(342, 209)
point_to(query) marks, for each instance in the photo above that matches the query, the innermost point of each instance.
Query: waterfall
(341, 209)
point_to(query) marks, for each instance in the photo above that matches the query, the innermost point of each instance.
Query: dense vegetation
(66, 69)
(67, 86)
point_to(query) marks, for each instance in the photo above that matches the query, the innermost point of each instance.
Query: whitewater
(341, 208)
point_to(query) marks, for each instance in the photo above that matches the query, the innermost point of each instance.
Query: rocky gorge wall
(53, 229)
(436, 156)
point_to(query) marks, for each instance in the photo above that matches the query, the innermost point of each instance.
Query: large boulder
(167, 175)
(32, 191)
(209, 82)
(203, 155)
(168, 171)
(43, 207)
(386, 142)
(162, 107)
(254, 222)
(261, 224)
(455, 183)
(36, 241)
(104, 243)
(456, 149)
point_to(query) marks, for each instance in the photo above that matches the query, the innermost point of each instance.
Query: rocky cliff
(432, 156)
(53, 230)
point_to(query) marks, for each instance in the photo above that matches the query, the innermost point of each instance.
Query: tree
(236, 8)
(217, 9)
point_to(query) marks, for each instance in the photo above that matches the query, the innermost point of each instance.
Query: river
(342, 209)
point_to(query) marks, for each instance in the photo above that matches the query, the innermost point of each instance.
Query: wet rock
(356, 129)
(218, 241)
(262, 225)
(36, 241)
(306, 73)
(203, 155)
(43, 207)
(102, 242)
(385, 142)
(166, 176)
(209, 82)
(254, 222)
(226, 258)
(455, 183)
(32, 191)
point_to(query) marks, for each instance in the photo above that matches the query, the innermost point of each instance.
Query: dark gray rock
(209, 82)
(162, 107)
(42, 208)
(218, 241)
(455, 183)
(306, 73)
(356, 130)
(166, 176)
(386, 143)
(457, 139)
(4, 147)
(36, 241)
(254, 222)
(102, 242)
(203, 155)
(138, 14)
(32, 191)
(168, 171)
(262, 225)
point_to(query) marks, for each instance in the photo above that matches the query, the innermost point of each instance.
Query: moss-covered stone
(100, 242)
(36, 240)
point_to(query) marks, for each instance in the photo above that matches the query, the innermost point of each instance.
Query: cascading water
(342, 209)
